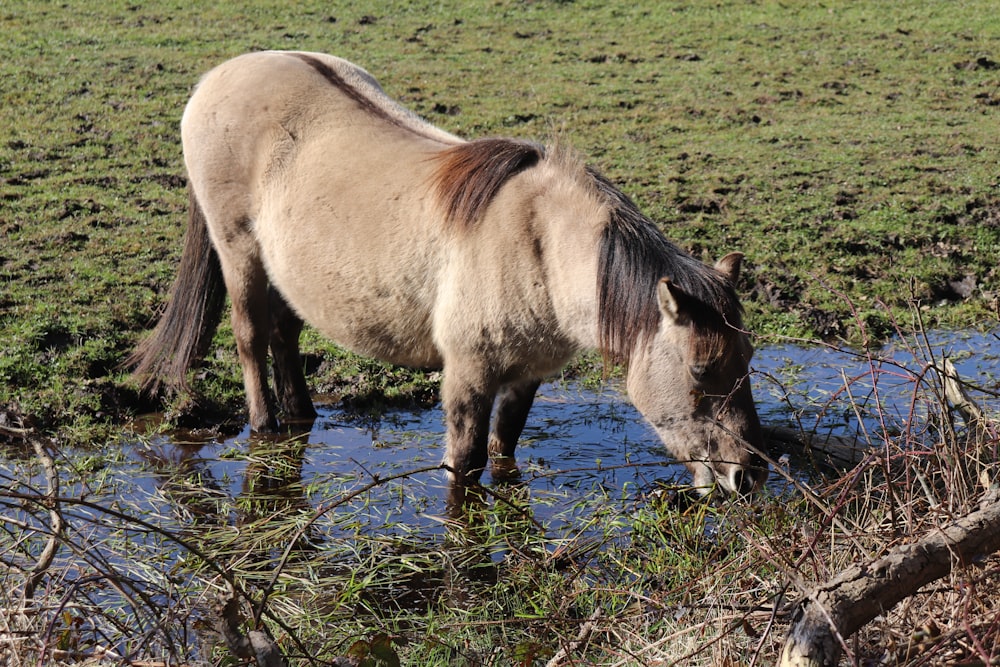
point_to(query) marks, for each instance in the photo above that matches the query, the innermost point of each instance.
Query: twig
(254, 645)
(839, 450)
(55, 517)
(15, 431)
(838, 608)
(182, 542)
(582, 637)
(958, 397)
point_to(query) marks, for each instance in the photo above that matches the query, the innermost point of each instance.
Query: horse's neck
(572, 221)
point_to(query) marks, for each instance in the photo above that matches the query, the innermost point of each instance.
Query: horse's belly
(365, 316)
(399, 343)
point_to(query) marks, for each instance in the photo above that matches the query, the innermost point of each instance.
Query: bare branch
(253, 645)
(839, 607)
(55, 517)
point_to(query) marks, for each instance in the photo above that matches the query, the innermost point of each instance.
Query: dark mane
(634, 257)
(470, 175)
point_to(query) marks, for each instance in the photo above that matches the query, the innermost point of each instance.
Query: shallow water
(853, 393)
(578, 442)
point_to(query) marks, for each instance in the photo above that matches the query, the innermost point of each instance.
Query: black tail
(188, 323)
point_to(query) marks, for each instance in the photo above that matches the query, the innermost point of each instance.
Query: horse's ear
(729, 266)
(670, 297)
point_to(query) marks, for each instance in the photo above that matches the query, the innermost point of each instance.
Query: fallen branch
(835, 610)
(55, 517)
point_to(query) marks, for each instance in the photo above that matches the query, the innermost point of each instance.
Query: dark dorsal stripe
(362, 100)
(338, 81)
(469, 175)
(633, 257)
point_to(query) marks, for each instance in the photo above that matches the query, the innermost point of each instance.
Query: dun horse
(316, 198)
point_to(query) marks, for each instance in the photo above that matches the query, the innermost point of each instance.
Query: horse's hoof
(504, 469)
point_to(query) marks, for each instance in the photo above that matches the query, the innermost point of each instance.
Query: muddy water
(579, 443)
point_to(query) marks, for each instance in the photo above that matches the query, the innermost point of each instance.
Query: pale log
(835, 610)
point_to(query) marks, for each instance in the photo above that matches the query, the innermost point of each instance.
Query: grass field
(851, 150)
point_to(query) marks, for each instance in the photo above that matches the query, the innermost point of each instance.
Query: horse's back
(299, 91)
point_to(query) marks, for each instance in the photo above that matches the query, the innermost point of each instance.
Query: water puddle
(578, 442)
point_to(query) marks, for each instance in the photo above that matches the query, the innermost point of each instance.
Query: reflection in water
(268, 509)
(576, 442)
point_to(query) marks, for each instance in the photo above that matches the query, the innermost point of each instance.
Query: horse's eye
(698, 371)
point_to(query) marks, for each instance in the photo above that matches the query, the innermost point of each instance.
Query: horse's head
(690, 380)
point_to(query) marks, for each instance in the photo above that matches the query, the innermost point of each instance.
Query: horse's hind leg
(246, 281)
(290, 386)
(513, 404)
(250, 328)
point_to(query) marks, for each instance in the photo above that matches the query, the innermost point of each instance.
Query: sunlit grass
(844, 149)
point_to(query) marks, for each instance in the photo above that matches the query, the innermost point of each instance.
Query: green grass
(849, 149)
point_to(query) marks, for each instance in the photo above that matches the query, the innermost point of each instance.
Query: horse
(315, 198)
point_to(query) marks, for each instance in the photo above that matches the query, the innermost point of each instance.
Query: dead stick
(254, 645)
(958, 397)
(55, 517)
(586, 630)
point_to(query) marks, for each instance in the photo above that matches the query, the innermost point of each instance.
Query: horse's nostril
(743, 480)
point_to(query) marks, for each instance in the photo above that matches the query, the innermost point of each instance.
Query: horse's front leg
(467, 397)
(513, 404)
